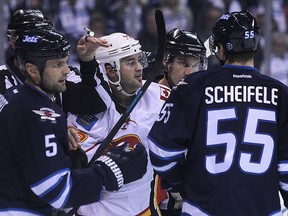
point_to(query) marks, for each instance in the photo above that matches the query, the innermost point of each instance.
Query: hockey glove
(122, 164)
(78, 158)
(175, 200)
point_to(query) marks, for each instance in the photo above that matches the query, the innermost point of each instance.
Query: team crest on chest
(132, 139)
(47, 114)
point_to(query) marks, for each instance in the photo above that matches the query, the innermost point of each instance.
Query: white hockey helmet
(120, 46)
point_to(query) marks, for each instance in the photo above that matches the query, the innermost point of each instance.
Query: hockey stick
(161, 32)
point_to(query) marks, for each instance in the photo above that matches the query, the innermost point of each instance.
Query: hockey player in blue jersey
(81, 95)
(221, 137)
(37, 178)
(185, 54)
(77, 92)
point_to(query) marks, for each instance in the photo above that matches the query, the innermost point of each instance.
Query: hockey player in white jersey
(123, 66)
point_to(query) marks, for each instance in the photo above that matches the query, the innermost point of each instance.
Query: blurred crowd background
(136, 17)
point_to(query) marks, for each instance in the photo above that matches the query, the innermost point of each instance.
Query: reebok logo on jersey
(240, 76)
(114, 168)
(47, 114)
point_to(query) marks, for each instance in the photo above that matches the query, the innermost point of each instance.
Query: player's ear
(32, 70)
(111, 73)
(221, 50)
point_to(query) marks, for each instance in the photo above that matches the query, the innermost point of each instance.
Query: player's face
(55, 74)
(182, 66)
(131, 73)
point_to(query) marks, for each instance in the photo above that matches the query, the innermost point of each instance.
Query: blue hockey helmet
(182, 42)
(22, 20)
(236, 31)
(39, 45)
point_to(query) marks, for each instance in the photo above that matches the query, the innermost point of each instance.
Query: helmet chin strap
(119, 87)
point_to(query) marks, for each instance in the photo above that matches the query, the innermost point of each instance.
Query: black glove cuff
(78, 158)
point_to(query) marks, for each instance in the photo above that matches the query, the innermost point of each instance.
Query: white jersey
(132, 198)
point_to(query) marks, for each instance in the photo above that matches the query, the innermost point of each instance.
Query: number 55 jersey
(223, 137)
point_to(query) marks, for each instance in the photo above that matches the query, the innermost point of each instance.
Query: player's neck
(122, 99)
(164, 82)
(241, 63)
(32, 83)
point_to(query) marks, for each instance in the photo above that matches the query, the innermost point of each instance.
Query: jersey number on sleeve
(51, 147)
(250, 137)
(165, 112)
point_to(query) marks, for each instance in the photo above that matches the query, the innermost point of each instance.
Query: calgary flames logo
(132, 139)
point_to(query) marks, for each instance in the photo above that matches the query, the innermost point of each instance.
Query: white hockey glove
(122, 164)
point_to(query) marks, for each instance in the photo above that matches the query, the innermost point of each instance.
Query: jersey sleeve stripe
(165, 168)
(283, 166)
(283, 185)
(103, 88)
(44, 187)
(192, 209)
(61, 200)
(163, 152)
(17, 212)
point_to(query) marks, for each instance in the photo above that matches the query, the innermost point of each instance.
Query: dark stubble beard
(50, 89)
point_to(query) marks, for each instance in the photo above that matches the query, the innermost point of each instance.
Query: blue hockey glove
(122, 164)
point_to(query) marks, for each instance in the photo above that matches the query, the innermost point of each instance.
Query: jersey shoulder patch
(164, 92)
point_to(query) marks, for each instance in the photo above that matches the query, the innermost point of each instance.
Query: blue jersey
(36, 176)
(223, 135)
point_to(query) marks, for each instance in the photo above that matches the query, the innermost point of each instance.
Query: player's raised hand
(87, 45)
(122, 164)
